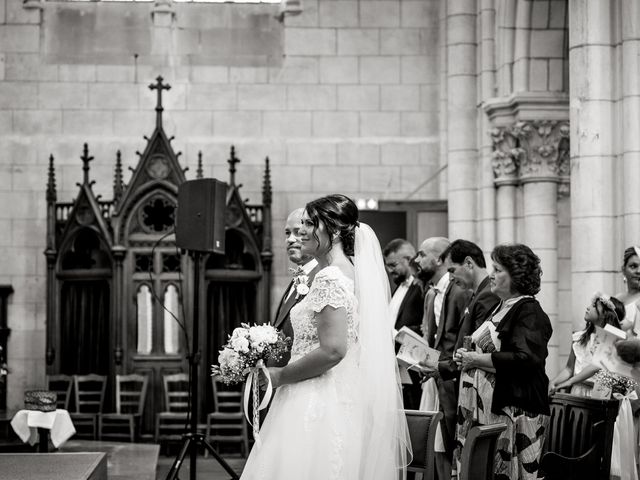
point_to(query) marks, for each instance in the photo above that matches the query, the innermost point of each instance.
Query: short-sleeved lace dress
(311, 430)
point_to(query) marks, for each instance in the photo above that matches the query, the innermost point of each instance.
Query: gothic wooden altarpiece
(116, 280)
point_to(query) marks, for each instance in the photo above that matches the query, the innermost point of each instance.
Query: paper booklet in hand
(606, 356)
(415, 350)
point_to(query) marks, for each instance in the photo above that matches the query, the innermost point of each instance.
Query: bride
(337, 411)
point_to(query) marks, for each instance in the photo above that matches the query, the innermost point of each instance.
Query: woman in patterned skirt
(503, 378)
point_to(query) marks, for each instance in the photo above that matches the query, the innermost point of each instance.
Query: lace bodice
(330, 287)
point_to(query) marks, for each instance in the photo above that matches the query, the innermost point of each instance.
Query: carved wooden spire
(199, 173)
(266, 184)
(118, 184)
(159, 86)
(233, 160)
(85, 164)
(51, 182)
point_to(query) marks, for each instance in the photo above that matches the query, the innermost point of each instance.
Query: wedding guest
(631, 298)
(503, 378)
(307, 267)
(405, 307)
(468, 269)
(444, 307)
(603, 310)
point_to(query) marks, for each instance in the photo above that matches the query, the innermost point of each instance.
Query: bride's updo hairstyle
(340, 217)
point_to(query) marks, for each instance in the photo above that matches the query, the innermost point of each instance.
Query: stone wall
(343, 97)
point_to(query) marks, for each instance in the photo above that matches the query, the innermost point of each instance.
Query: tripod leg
(220, 460)
(177, 463)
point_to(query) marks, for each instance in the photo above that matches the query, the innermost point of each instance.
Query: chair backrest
(61, 385)
(131, 393)
(176, 392)
(571, 432)
(89, 392)
(226, 399)
(422, 431)
(479, 452)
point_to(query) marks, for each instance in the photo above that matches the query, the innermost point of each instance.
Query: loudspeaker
(201, 214)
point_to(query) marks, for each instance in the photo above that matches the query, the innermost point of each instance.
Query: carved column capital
(545, 150)
(506, 156)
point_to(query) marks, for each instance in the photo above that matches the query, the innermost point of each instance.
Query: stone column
(594, 261)
(543, 162)
(487, 85)
(462, 149)
(630, 68)
(505, 170)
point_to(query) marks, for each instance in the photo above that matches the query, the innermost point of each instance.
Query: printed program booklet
(415, 350)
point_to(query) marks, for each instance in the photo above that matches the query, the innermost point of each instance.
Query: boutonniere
(300, 282)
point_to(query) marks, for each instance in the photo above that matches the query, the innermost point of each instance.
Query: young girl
(602, 310)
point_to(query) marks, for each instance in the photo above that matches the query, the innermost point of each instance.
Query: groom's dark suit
(282, 320)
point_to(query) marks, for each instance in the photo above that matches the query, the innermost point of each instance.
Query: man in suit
(405, 307)
(467, 266)
(445, 304)
(306, 268)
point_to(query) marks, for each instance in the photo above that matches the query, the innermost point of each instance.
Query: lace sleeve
(327, 290)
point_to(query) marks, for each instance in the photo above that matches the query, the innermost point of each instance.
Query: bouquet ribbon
(253, 386)
(625, 449)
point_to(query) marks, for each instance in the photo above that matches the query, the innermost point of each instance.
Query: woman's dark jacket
(521, 380)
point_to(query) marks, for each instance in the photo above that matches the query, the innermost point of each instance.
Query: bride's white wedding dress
(312, 430)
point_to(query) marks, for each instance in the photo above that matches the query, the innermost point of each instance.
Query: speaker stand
(192, 440)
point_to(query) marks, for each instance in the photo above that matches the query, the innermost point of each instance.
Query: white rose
(240, 344)
(227, 357)
(240, 332)
(302, 289)
(262, 334)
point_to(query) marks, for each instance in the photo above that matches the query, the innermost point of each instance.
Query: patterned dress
(519, 447)
(311, 431)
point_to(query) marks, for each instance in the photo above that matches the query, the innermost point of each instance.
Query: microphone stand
(192, 440)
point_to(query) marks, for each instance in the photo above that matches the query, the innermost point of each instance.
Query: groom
(306, 269)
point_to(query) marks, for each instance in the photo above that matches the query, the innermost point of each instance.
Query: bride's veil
(385, 428)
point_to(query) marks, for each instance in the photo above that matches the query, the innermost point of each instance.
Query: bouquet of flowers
(613, 383)
(247, 346)
(244, 356)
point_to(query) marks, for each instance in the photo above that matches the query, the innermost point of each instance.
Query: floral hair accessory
(637, 250)
(604, 299)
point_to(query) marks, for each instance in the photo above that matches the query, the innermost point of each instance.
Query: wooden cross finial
(159, 86)
(233, 160)
(85, 163)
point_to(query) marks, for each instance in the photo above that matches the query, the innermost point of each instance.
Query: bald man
(444, 308)
(308, 265)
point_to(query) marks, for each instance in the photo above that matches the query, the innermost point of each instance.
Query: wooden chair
(422, 431)
(131, 395)
(89, 391)
(479, 452)
(61, 385)
(227, 423)
(171, 423)
(579, 438)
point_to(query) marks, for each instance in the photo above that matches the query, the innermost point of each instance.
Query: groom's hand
(274, 374)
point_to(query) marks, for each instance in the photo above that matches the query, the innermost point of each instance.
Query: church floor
(207, 468)
(142, 461)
